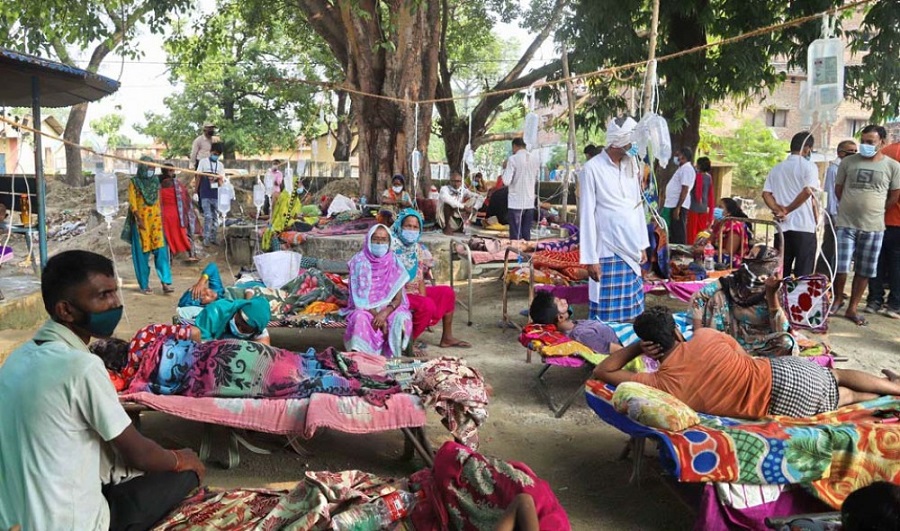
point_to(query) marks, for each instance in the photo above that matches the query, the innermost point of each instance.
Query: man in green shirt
(867, 184)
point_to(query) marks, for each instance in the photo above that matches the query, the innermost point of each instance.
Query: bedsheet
(833, 454)
(578, 293)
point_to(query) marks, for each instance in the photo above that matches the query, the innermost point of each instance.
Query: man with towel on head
(613, 229)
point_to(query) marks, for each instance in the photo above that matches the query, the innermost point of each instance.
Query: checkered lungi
(862, 247)
(621, 292)
(801, 388)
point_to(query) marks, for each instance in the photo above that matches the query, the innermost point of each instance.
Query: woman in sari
(146, 229)
(179, 219)
(735, 235)
(428, 304)
(745, 306)
(378, 317)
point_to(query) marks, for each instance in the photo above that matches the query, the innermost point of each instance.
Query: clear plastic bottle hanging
(226, 195)
(106, 190)
(259, 196)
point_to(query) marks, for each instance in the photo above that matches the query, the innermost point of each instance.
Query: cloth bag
(278, 268)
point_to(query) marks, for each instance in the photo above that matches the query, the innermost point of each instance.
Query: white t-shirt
(786, 180)
(57, 405)
(685, 175)
(521, 176)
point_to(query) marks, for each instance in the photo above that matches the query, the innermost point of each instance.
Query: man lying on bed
(58, 412)
(596, 335)
(712, 374)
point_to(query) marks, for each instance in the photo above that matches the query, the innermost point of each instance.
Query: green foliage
(559, 154)
(755, 150)
(235, 68)
(614, 32)
(875, 81)
(108, 127)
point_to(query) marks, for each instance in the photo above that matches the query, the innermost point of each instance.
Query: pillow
(654, 408)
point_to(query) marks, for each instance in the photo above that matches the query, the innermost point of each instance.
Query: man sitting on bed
(596, 335)
(712, 374)
(59, 410)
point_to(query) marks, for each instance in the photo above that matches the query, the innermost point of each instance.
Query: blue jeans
(888, 272)
(520, 222)
(210, 220)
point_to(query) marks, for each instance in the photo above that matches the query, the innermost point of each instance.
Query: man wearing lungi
(613, 230)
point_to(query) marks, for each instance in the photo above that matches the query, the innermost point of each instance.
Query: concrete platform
(342, 247)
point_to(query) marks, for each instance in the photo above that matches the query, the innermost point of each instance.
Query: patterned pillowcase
(654, 408)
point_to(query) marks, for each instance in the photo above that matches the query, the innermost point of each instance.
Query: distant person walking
(180, 222)
(146, 229)
(202, 145)
(207, 187)
(703, 199)
(788, 192)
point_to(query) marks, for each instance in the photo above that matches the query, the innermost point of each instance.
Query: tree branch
(327, 21)
(494, 137)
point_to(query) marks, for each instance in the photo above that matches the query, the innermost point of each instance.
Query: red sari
(176, 235)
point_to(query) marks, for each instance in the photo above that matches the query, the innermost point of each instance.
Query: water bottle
(362, 202)
(709, 253)
(377, 514)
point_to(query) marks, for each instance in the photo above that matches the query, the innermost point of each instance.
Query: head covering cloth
(147, 185)
(745, 286)
(213, 320)
(375, 281)
(407, 252)
(620, 135)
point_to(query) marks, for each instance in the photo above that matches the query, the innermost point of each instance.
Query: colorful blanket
(457, 393)
(550, 342)
(834, 453)
(565, 263)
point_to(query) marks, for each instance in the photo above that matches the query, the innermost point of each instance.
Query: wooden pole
(650, 82)
(570, 154)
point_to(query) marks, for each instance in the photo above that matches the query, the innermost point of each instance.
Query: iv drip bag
(530, 135)
(259, 195)
(106, 189)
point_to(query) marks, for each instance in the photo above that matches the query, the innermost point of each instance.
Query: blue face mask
(101, 324)
(409, 236)
(633, 151)
(379, 249)
(718, 213)
(214, 158)
(867, 150)
(236, 332)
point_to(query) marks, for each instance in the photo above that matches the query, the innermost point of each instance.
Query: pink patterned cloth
(457, 393)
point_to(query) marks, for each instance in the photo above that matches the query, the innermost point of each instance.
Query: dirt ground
(577, 454)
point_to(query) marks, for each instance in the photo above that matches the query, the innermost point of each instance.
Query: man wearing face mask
(456, 205)
(828, 265)
(678, 201)
(788, 192)
(867, 184)
(59, 409)
(207, 187)
(613, 233)
(202, 145)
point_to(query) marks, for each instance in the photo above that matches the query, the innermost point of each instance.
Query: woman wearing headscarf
(745, 306)
(396, 196)
(179, 219)
(146, 229)
(428, 304)
(378, 318)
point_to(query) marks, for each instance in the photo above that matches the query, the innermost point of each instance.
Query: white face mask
(397, 189)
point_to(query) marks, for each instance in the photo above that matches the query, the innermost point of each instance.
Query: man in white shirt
(202, 145)
(456, 205)
(59, 408)
(613, 237)
(828, 264)
(789, 193)
(207, 187)
(678, 199)
(521, 176)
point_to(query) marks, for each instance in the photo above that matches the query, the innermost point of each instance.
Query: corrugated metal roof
(61, 85)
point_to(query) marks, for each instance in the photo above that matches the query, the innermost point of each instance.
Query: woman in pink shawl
(378, 317)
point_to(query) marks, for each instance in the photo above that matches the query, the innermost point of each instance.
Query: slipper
(858, 320)
(835, 308)
(167, 288)
(459, 344)
(192, 259)
(147, 291)
(421, 345)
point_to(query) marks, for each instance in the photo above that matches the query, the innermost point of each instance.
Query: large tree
(389, 49)
(614, 32)
(59, 27)
(466, 34)
(230, 64)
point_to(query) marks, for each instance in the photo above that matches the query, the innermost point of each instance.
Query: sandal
(148, 291)
(835, 308)
(459, 344)
(858, 320)
(167, 288)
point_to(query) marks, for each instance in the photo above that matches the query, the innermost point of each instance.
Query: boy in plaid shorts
(712, 374)
(867, 184)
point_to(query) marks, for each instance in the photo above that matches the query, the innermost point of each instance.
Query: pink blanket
(578, 293)
(348, 414)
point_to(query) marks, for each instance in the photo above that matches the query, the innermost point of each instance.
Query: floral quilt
(833, 454)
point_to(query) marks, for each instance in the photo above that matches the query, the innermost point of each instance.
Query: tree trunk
(395, 58)
(74, 174)
(228, 107)
(342, 132)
